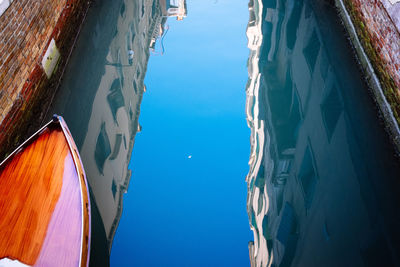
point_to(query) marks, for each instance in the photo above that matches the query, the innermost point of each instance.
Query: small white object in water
(190, 156)
(130, 54)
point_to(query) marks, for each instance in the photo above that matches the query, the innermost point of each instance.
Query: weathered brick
(26, 28)
(385, 35)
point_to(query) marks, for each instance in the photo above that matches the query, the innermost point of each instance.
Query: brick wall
(26, 29)
(380, 38)
(383, 33)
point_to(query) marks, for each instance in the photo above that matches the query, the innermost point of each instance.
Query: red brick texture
(26, 29)
(384, 34)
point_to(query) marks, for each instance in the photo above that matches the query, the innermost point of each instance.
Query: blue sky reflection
(181, 211)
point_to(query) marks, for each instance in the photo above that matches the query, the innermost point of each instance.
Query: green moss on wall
(387, 83)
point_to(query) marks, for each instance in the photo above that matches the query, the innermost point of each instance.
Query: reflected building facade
(316, 196)
(102, 104)
(113, 121)
(174, 8)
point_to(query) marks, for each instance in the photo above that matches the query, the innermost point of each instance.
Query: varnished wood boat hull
(44, 201)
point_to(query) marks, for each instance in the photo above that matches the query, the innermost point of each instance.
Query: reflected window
(270, 247)
(288, 234)
(154, 8)
(103, 148)
(296, 116)
(267, 28)
(265, 229)
(135, 87)
(130, 112)
(293, 24)
(114, 188)
(115, 98)
(308, 177)
(331, 108)
(252, 185)
(252, 18)
(260, 203)
(287, 226)
(133, 36)
(122, 10)
(282, 171)
(128, 41)
(286, 114)
(253, 219)
(132, 31)
(260, 180)
(311, 50)
(117, 146)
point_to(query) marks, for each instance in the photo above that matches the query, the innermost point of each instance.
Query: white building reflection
(113, 123)
(174, 8)
(259, 254)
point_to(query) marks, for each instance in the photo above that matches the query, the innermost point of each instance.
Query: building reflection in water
(113, 122)
(100, 99)
(109, 141)
(319, 193)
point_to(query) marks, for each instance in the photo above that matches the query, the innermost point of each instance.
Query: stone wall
(381, 41)
(26, 29)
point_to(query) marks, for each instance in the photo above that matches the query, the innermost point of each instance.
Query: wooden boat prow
(44, 202)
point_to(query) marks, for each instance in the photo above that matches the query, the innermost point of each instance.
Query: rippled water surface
(158, 109)
(323, 182)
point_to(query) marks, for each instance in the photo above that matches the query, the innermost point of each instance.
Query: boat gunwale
(82, 177)
(86, 216)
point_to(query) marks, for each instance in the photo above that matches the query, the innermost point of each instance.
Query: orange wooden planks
(30, 187)
(62, 244)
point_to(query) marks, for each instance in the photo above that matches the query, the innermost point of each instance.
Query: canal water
(323, 185)
(162, 111)
(173, 179)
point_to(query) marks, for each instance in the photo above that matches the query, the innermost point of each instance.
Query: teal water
(162, 112)
(323, 184)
